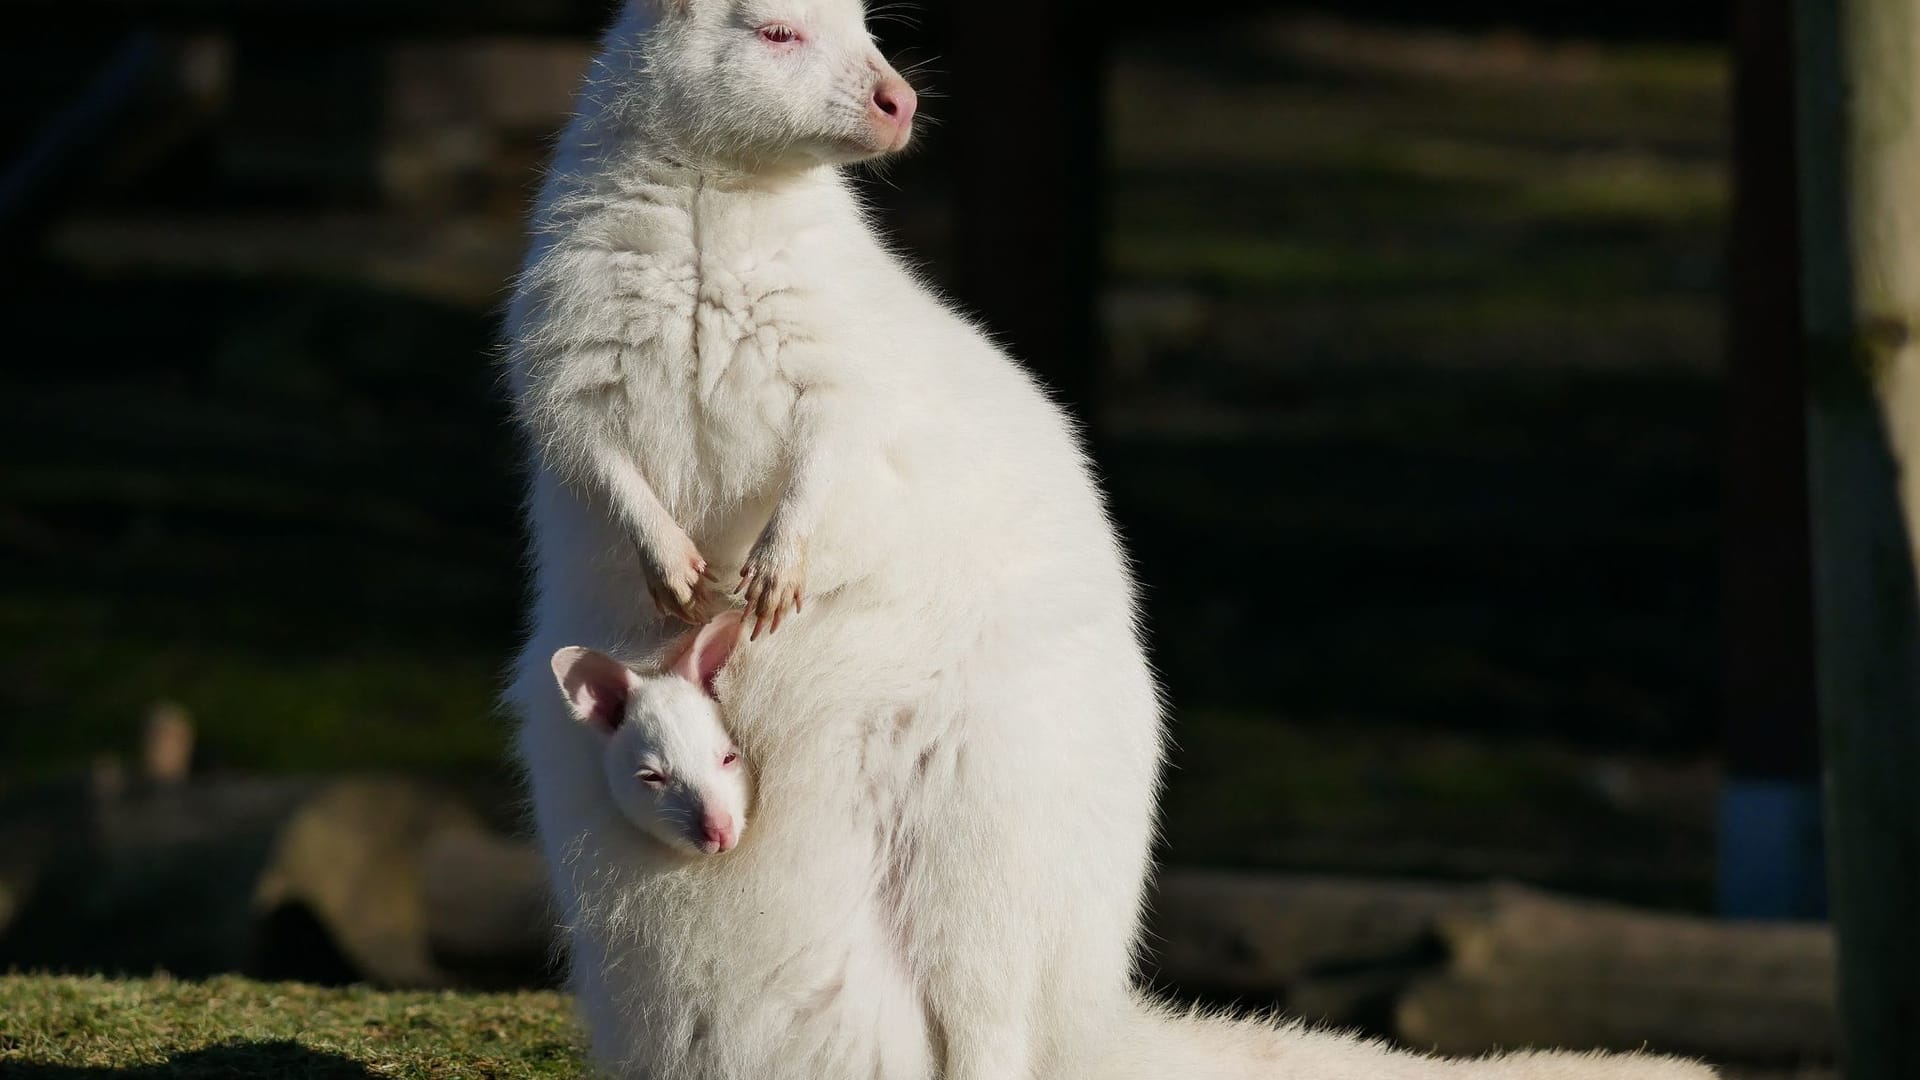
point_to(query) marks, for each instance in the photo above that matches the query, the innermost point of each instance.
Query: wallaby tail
(1167, 1043)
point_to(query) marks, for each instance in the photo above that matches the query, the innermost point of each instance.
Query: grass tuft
(90, 1028)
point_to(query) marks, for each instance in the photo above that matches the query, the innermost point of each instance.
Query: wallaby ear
(707, 653)
(596, 686)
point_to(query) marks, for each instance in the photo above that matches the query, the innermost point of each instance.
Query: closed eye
(653, 777)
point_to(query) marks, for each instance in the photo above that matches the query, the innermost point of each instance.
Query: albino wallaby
(671, 766)
(723, 370)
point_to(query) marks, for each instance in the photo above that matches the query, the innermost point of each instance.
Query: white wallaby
(725, 374)
(671, 766)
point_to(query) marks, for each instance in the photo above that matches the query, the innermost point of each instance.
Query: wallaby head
(671, 767)
(766, 85)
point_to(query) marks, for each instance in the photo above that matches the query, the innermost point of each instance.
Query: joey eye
(651, 777)
(731, 757)
(779, 34)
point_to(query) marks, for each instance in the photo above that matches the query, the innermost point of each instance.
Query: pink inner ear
(700, 664)
(596, 685)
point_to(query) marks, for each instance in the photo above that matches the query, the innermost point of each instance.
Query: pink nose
(894, 101)
(717, 833)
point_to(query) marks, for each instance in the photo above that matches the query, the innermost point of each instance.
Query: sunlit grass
(56, 1028)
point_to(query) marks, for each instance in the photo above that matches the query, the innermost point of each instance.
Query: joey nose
(717, 833)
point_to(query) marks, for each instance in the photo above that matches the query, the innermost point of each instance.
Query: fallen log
(349, 862)
(1535, 970)
(1525, 930)
(1252, 937)
(1718, 1022)
(275, 877)
(488, 919)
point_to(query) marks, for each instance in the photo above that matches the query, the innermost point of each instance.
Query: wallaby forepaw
(770, 585)
(679, 585)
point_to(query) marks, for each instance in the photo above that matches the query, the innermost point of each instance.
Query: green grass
(161, 1029)
(59, 1028)
(1404, 174)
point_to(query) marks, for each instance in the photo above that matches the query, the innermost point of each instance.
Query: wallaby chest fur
(692, 337)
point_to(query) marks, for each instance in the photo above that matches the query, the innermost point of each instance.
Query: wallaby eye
(651, 777)
(779, 34)
(732, 756)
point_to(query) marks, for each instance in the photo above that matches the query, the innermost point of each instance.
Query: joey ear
(596, 686)
(707, 653)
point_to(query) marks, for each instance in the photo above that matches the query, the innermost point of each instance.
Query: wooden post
(1859, 135)
(1026, 132)
(1769, 837)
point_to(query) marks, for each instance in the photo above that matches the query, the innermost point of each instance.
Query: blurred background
(1398, 330)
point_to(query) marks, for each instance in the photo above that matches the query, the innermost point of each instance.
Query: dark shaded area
(244, 471)
(1399, 357)
(1640, 18)
(241, 440)
(1487, 537)
(1632, 19)
(292, 945)
(1526, 552)
(161, 882)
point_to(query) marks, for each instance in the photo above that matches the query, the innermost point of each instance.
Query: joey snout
(718, 833)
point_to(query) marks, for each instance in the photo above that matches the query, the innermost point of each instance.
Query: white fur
(1171, 1044)
(958, 741)
(670, 764)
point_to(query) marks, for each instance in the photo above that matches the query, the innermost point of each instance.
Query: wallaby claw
(678, 584)
(768, 589)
